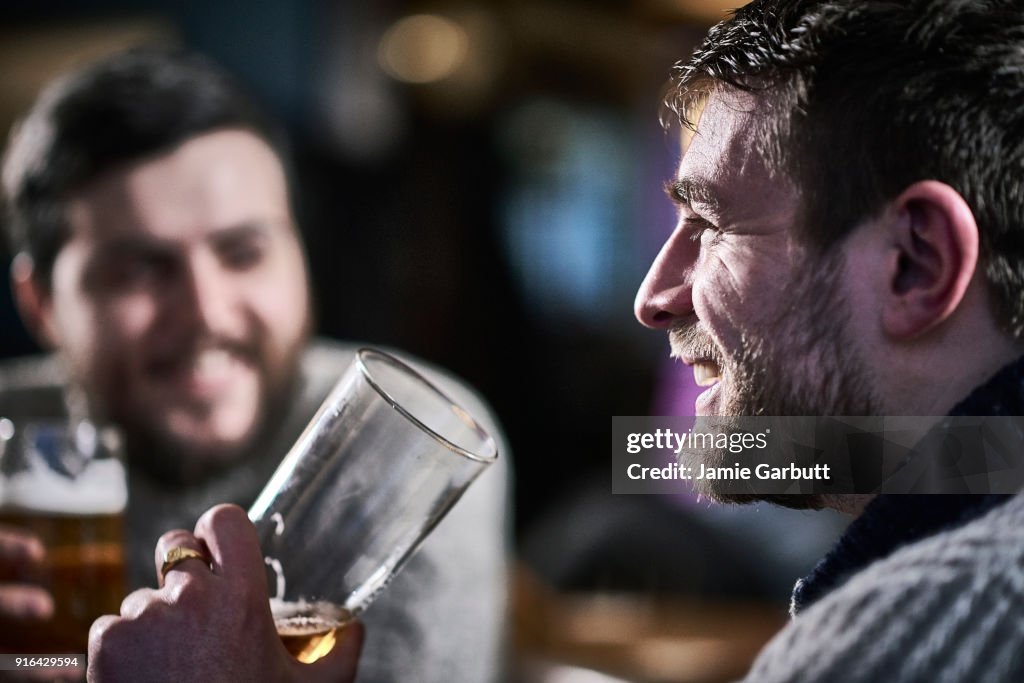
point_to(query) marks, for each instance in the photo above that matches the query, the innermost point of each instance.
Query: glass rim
(366, 353)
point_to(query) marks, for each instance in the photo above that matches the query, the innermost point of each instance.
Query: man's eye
(242, 256)
(133, 271)
(698, 227)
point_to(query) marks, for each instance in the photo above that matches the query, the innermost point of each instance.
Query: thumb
(341, 663)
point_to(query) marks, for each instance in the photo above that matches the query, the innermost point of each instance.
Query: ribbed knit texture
(887, 524)
(944, 610)
(932, 593)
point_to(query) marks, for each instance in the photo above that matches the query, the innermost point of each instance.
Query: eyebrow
(690, 192)
(124, 246)
(241, 231)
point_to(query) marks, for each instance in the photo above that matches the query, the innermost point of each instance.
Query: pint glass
(65, 482)
(384, 459)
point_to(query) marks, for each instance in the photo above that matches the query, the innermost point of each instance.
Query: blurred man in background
(158, 256)
(850, 243)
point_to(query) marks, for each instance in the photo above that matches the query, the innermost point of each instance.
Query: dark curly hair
(121, 109)
(866, 97)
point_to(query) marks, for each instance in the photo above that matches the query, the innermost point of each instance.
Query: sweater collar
(1002, 394)
(892, 521)
(888, 523)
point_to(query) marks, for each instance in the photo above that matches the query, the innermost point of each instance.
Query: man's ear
(34, 301)
(935, 242)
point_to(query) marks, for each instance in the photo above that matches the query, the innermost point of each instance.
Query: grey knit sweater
(945, 608)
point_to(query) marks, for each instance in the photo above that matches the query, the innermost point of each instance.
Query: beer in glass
(308, 629)
(64, 481)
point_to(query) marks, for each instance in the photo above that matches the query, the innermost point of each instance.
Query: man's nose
(666, 294)
(209, 299)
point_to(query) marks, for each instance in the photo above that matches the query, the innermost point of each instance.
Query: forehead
(722, 155)
(213, 181)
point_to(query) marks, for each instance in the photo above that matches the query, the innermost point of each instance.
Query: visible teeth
(212, 360)
(705, 374)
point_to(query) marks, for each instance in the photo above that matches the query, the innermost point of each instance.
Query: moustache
(689, 340)
(247, 350)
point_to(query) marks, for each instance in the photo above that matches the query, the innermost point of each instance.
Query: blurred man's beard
(802, 362)
(152, 446)
(175, 460)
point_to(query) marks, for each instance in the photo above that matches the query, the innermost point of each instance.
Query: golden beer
(83, 571)
(308, 630)
(63, 481)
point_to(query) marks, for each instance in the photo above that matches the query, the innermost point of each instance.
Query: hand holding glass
(381, 463)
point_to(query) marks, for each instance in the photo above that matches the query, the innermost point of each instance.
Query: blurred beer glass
(384, 459)
(65, 481)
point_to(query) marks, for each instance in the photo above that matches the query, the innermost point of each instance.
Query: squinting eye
(698, 234)
(698, 227)
(241, 256)
(134, 271)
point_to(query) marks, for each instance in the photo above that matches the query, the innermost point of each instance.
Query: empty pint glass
(381, 463)
(65, 482)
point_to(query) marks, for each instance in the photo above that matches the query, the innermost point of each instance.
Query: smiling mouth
(706, 373)
(203, 373)
(695, 348)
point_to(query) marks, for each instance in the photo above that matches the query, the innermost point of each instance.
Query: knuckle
(109, 643)
(137, 602)
(219, 515)
(104, 633)
(172, 538)
(190, 593)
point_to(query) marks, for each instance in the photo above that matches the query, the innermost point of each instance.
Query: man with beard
(850, 242)
(158, 256)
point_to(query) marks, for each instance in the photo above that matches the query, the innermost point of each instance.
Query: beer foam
(99, 489)
(301, 617)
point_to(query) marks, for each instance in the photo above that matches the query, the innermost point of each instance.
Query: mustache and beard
(801, 362)
(118, 396)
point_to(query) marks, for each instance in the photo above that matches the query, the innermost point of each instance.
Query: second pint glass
(65, 482)
(384, 459)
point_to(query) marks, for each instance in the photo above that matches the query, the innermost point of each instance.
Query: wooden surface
(637, 638)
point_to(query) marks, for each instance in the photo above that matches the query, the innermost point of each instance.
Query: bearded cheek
(280, 357)
(110, 347)
(104, 372)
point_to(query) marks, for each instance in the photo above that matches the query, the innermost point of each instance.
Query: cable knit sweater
(919, 589)
(943, 610)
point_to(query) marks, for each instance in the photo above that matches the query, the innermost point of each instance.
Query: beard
(801, 362)
(172, 457)
(181, 462)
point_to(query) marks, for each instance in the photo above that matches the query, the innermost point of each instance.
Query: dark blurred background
(479, 181)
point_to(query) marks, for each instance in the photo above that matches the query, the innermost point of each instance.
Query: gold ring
(179, 554)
